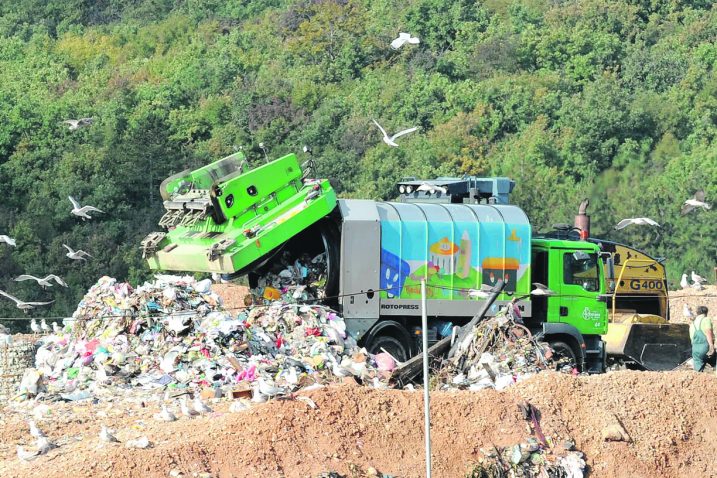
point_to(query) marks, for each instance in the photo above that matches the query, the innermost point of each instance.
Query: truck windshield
(581, 269)
(203, 178)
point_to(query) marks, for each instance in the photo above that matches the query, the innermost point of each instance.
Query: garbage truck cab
(574, 319)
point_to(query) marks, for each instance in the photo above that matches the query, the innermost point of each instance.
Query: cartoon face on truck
(394, 271)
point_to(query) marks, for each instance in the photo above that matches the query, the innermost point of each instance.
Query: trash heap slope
(669, 418)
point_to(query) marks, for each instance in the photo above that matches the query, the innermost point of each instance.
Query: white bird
(431, 188)
(390, 140)
(56, 329)
(140, 443)
(44, 282)
(165, 415)
(698, 278)
(541, 290)
(81, 211)
(684, 283)
(8, 240)
(34, 431)
(238, 406)
(698, 200)
(184, 407)
(404, 38)
(697, 286)
(78, 255)
(337, 369)
(75, 124)
(26, 455)
(22, 305)
(44, 445)
(269, 389)
(107, 436)
(307, 401)
(687, 312)
(201, 407)
(43, 325)
(482, 293)
(638, 221)
(34, 327)
(257, 396)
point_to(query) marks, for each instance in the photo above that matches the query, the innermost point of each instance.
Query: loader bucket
(657, 347)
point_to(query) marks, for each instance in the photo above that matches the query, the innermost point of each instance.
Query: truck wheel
(565, 351)
(392, 345)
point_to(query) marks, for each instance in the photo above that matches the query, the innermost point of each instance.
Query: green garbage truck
(458, 234)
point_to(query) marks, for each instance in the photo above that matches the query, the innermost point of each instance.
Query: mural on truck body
(453, 255)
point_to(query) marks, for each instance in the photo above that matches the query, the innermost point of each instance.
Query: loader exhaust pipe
(582, 220)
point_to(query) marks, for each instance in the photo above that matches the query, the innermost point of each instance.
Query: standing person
(702, 338)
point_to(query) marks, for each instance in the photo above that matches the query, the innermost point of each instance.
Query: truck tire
(392, 345)
(564, 350)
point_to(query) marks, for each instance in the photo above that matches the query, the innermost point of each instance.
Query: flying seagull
(81, 211)
(698, 200)
(78, 255)
(638, 221)
(7, 240)
(24, 305)
(46, 282)
(404, 38)
(541, 290)
(390, 140)
(75, 124)
(482, 293)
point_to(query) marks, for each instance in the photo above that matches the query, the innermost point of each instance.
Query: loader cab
(573, 270)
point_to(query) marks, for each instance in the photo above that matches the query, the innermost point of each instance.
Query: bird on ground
(686, 311)
(165, 415)
(269, 389)
(337, 369)
(404, 38)
(684, 283)
(638, 221)
(432, 188)
(140, 443)
(697, 278)
(391, 140)
(199, 406)
(26, 455)
(43, 282)
(75, 124)
(82, 211)
(107, 436)
(44, 327)
(698, 200)
(78, 255)
(184, 408)
(35, 327)
(56, 329)
(44, 445)
(8, 240)
(541, 290)
(35, 432)
(239, 406)
(22, 305)
(257, 396)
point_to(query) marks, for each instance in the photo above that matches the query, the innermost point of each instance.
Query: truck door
(579, 290)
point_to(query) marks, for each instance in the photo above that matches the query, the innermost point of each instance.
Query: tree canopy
(606, 99)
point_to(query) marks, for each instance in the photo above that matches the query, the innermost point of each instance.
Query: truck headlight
(402, 189)
(409, 189)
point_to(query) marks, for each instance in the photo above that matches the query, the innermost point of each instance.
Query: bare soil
(693, 298)
(671, 419)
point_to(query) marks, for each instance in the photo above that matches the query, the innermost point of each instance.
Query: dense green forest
(611, 100)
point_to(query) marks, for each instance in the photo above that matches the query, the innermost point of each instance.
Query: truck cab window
(582, 270)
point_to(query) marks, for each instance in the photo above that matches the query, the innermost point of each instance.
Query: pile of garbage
(300, 280)
(535, 457)
(173, 334)
(498, 353)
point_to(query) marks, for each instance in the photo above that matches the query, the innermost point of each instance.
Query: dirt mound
(693, 298)
(232, 295)
(669, 417)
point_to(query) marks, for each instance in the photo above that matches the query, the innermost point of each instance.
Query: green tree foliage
(607, 99)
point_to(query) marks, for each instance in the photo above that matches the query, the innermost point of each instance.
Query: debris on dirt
(302, 280)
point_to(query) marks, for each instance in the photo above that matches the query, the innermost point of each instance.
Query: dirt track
(670, 417)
